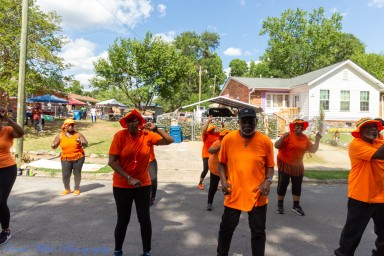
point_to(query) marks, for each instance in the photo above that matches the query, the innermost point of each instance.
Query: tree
(75, 87)
(261, 69)
(372, 63)
(43, 68)
(238, 67)
(299, 45)
(142, 70)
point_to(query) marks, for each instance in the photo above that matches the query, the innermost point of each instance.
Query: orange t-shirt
(366, 178)
(208, 139)
(246, 168)
(152, 154)
(213, 161)
(293, 149)
(6, 142)
(133, 156)
(70, 149)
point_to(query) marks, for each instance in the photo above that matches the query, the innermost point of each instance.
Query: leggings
(205, 168)
(283, 182)
(124, 198)
(213, 183)
(7, 179)
(153, 174)
(67, 167)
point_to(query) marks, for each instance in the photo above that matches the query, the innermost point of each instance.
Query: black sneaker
(280, 209)
(118, 253)
(145, 254)
(4, 236)
(209, 207)
(298, 210)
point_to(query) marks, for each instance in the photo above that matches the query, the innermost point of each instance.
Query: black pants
(283, 183)
(213, 183)
(358, 216)
(124, 198)
(7, 179)
(256, 222)
(153, 174)
(205, 168)
(67, 168)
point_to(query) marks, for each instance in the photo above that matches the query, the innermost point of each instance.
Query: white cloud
(233, 52)
(162, 9)
(81, 54)
(377, 3)
(99, 13)
(167, 37)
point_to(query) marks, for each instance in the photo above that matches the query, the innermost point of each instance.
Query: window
(277, 100)
(296, 101)
(364, 101)
(344, 100)
(324, 99)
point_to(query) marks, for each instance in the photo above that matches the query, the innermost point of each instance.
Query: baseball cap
(247, 112)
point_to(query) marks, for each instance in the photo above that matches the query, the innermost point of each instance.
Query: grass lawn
(326, 175)
(99, 135)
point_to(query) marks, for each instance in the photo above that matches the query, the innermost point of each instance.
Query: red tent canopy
(76, 102)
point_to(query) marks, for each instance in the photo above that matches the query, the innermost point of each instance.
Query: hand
(318, 136)
(3, 113)
(226, 188)
(134, 182)
(264, 188)
(79, 141)
(285, 135)
(210, 119)
(150, 126)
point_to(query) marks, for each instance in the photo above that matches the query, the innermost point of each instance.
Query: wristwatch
(269, 179)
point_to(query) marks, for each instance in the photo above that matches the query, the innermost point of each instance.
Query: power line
(118, 19)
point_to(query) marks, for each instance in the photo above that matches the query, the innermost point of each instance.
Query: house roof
(306, 79)
(82, 98)
(226, 102)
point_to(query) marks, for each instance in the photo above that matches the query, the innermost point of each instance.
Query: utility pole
(21, 89)
(199, 87)
(214, 86)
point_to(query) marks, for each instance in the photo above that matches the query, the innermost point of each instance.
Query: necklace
(246, 139)
(135, 153)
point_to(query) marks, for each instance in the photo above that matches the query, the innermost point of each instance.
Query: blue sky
(92, 25)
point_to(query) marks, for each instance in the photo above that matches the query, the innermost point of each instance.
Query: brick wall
(237, 91)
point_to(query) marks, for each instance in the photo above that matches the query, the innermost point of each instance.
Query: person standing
(292, 147)
(247, 157)
(153, 175)
(72, 155)
(209, 136)
(93, 114)
(28, 114)
(365, 188)
(129, 157)
(213, 163)
(36, 115)
(8, 170)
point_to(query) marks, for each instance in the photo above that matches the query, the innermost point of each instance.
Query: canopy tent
(47, 98)
(111, 103)
(226, 102)
(75, 102)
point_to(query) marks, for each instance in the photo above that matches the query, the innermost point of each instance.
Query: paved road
(44, 223)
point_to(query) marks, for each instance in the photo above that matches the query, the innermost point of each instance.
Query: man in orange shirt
(247, 157)
(365, 188)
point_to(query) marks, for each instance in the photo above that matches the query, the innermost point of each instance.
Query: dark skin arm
(17, 132)
(316, 145)
(214, 150)
(379, 154)
(265, 186)
(279, 142)
(225, 186)
(82, 141)
(113, 163)
(166, 140)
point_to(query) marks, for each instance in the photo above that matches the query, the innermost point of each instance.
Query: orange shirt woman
(8, 170)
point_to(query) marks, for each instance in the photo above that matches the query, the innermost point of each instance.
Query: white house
(344, 90)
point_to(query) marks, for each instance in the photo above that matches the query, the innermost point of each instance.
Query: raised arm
(17, 132)
(166, 138)
(315, 146)
(279, 142)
